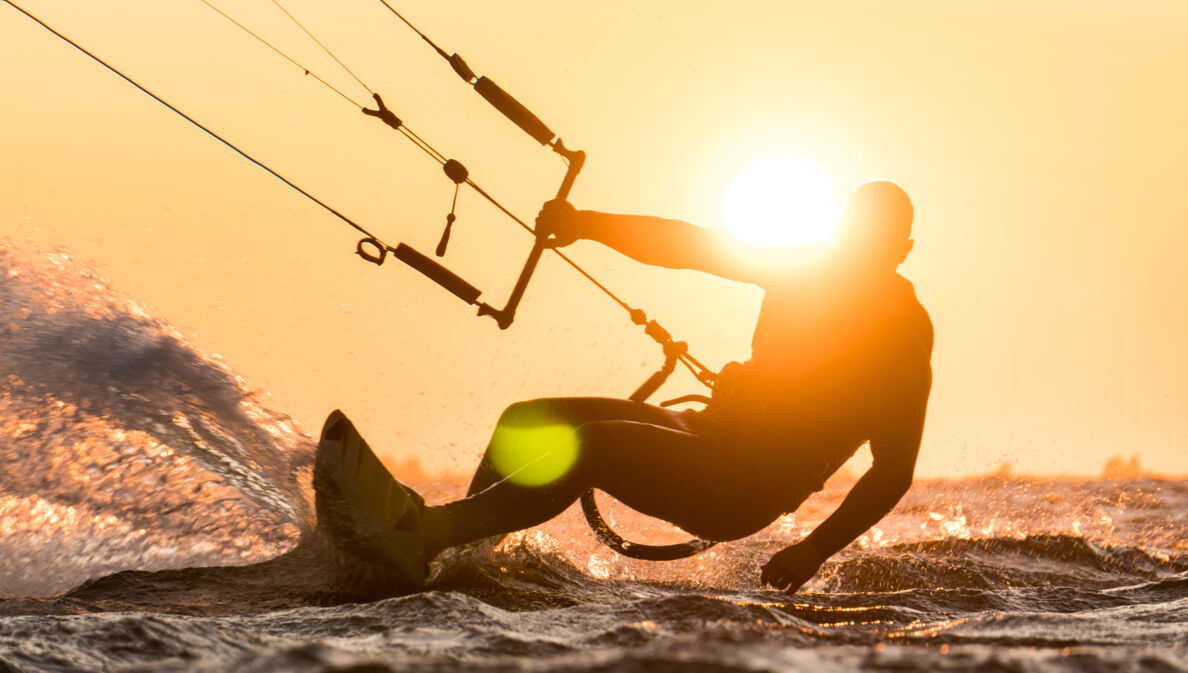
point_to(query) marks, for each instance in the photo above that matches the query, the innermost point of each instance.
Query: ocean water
(155, 515)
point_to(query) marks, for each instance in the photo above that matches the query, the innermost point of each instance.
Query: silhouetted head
(875, 232)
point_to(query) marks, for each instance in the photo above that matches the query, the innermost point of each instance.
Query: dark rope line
(414, 29)
(441, 158)
(560, 254)
(423, 145)
(186, 117)
(690, 362)
(699, 370)
(492, 199)
(323, 46)
(283, 55)
(417, 140)
(412, 136)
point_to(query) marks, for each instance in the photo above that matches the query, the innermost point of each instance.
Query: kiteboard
(369, 517)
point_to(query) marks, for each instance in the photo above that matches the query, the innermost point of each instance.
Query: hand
(790, 568)
(558, 222)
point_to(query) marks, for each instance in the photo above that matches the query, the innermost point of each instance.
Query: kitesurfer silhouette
(840, 357)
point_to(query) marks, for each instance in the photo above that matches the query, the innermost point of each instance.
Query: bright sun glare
(781, 200)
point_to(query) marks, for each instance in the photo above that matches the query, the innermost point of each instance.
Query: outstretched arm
(873, 496)
(668, 243)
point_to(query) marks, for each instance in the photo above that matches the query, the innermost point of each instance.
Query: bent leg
(571, 412)
(707, 489)
(661, 471)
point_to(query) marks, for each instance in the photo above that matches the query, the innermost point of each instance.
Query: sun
(781, 200)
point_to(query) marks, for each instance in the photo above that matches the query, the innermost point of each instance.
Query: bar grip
(438, 274)
(514, 110)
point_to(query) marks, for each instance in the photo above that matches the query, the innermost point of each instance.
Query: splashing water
(124, 448)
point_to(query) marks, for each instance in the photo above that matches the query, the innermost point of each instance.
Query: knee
(531, 451)
(595, 441)
(526, 412)
(594, 433)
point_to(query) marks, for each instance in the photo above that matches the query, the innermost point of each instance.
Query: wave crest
(123, 446)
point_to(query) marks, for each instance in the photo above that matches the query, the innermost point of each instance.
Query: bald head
(875, 231)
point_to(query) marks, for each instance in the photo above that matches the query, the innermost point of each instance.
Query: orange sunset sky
(1044, 144)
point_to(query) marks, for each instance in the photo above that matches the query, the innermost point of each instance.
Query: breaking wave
(156, 514)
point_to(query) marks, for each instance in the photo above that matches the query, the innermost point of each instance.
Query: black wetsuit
(829, 372)
(833, 365)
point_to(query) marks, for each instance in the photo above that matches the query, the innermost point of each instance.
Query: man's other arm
(894, 448)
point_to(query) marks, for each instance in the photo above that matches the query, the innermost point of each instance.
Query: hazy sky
(1043, 143)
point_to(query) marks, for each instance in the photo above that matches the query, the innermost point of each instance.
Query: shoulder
(784, 269)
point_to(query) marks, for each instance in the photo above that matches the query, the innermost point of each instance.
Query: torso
(819, 376)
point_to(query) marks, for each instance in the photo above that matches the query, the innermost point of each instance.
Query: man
(840, 357)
